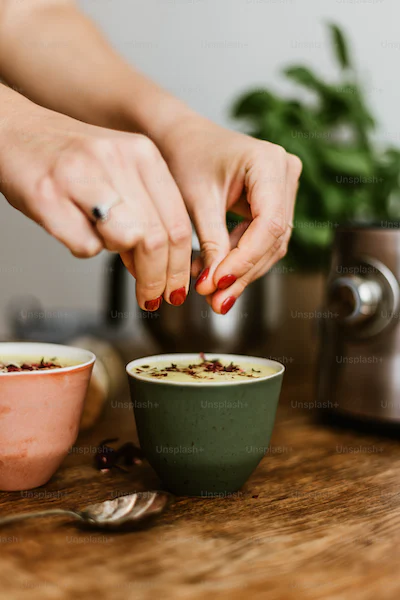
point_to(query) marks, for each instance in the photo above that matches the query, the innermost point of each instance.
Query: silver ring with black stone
(101, 214)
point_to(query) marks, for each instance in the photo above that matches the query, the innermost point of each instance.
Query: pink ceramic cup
(40, 412)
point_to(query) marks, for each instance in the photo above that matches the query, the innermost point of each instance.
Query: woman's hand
(218, 170)
(94, 188)
(215, 169)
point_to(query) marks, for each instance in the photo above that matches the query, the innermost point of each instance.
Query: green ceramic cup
(204, 439)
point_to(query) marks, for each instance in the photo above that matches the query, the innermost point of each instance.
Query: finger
(168, 201)
(223, 301)
(234, 236)
(267, 199)
(197, 267)
(148, 261)
(151, 262)
(85, 180)
(210, 223)
(237, 233)
(123, 227)
(63, 220)
(294, 169)
(129, 262)
(134, 226)
(241, 207)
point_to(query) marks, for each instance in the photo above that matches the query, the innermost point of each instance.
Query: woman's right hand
(57, 170)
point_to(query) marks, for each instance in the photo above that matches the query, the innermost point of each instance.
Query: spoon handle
(42, 513)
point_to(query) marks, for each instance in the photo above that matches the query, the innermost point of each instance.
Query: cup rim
(13, 348)
(195, 356)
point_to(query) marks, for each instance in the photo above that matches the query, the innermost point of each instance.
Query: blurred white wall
(206, 52)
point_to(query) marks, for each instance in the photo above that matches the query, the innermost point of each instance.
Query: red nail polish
(202, 277)
(226, 281)
(152, 305)
(178, 297)
(227, 304)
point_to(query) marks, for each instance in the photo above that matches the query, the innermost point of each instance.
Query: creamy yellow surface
(249, 371)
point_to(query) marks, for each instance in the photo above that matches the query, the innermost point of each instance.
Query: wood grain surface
(318, 519)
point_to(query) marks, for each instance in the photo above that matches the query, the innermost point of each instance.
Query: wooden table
(319, 519)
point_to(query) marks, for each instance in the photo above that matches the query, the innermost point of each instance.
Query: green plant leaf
(348, 161)
(255, 103)
(305, 77)
(313, 233)
(340, 46)
(346, 175)
(335, 202)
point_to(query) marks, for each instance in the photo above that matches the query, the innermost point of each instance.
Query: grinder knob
(354, 299)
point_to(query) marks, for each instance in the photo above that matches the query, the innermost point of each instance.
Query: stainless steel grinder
(359, 359)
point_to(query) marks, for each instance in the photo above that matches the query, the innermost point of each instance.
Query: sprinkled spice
(206, 369)
(14, 368)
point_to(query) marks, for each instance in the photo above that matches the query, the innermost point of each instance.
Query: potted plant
(347, 176)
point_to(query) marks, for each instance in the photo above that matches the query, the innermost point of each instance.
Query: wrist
(12, 105)
(148, 109)
(19, 117)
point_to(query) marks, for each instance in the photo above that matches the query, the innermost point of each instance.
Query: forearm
(17, 115)
(13, 108)
(56, 57)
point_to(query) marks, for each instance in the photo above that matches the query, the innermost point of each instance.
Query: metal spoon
(123, 511)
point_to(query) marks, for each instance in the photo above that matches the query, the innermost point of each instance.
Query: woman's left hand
(219, 170)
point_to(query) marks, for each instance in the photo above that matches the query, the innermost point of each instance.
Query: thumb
(214, 241)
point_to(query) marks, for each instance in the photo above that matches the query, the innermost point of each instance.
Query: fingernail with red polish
(227, 305)
(226, 281)
(152, 305)
(178, 297)
(202, 277)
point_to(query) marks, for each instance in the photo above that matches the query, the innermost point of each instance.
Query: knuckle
(155, 241)
(70, 165)
(245, 281)
(280, 154)
(295, 165)
(99, 147)
(121, 241)
(247, 265)
(209, 247)
(145, 148)
(41, 199)
(180, 235)
(276, 227)
(85, 249)
(276, 247)
(176, 277)
(153, 288)
(282, 251)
